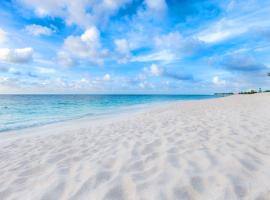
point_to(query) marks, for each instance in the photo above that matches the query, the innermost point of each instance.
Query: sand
(208, 149)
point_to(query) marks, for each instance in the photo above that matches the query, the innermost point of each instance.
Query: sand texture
(207, 150)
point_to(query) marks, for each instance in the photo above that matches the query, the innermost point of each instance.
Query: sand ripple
(213, 149)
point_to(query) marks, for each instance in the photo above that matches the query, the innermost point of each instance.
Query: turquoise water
(21, 111)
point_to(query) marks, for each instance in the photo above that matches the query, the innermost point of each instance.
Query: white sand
(210, 149)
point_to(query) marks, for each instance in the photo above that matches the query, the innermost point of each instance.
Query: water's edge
(106, 111)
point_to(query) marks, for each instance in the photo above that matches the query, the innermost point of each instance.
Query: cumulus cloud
(175, 42)
(156, 5)
(155, 70)
(37, 30)
(80, 12)
(23, 55)
(44, 70)
(107, 77)
(171, 41)
(152, 10)
(3, 36)
(170, 47)
(64, 59)
(123, 50)
(217, 81)
(86, 47)
(166, 48)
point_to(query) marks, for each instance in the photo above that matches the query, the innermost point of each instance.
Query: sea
(23, 111)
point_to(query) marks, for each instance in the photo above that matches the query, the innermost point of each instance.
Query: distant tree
(268, 74)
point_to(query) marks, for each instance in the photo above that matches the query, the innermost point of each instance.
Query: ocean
(22, 111)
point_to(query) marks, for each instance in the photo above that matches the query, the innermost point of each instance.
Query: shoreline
(60, 126)
(125, 111)
(210, 149)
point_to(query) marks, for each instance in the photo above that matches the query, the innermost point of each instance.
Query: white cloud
(158, 5)
(3, 36)
(84, 81)
(23, 55)
(141, 85)
(170, 41)
(91, 35)
(86, 47)
(177, 44)
(43, 70)
(155, 8)
(80, 12)
(240, 18)
(155, 70)
(122, 50)
(170, 47)
(65, 59)
(146, 85)
(221, 30)
(217, 81)
(107, 77)
(37, 30)
(3, 79)
(216, 36)
(164, 55)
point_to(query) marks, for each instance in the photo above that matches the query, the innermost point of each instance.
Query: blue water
(21, 111)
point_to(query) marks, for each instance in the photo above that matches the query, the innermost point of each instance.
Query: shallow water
(22, 111)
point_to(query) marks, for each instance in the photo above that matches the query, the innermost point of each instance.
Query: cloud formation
(240, 18)
(122, 50)
(107, 77)
(38, 30)
(158, 6)
(155, 70)
(65, 59)
(163, 56)
(44, 70)
(86, 47)
(3, 36)
(80, 12)
(217, 81)
(242, 63)
(23, 55)
(145, 44)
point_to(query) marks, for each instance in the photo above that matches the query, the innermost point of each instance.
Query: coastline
(120, 113)
(60, 126)
(26, 111)
(207, 149)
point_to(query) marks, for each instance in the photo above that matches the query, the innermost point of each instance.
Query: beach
(202, 149)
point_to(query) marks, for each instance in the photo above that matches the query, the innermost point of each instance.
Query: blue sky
(139, 46)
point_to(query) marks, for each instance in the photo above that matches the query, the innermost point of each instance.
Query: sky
(134, 46)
